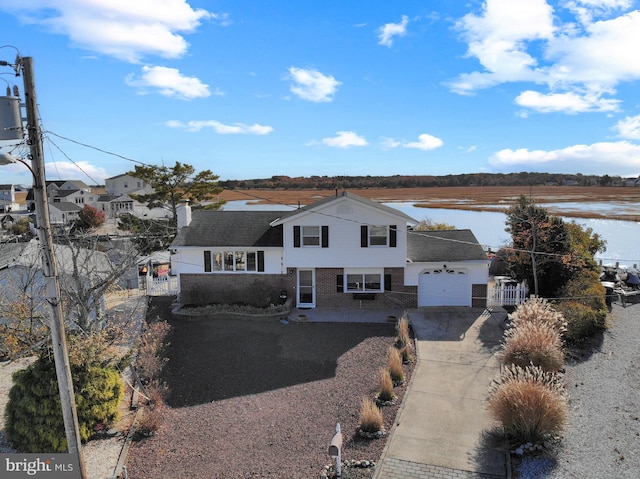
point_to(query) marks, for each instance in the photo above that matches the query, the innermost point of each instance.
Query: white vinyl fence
(507, 294)
(162, 285)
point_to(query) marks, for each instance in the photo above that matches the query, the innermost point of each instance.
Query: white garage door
(444, 287)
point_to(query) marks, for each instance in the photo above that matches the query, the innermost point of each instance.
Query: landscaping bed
(262, 398)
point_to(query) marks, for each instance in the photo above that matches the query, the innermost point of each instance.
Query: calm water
(623, 237)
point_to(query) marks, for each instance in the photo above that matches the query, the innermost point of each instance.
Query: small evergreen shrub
(533, 343)
(530, 403)
(394, 360)
(385, 393)
(33, 414)
(371, 419)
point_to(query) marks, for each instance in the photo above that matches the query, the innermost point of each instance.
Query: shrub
(535, 343)
(386, 387)
(370, 417)
(530, 403)
(149, 362)
(394, 359)
(538, 309)
(586, 309)
(33, 413)
(582, 321)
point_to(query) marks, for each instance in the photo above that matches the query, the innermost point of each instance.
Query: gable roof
(230, 228)
(345, 194)
(65, 206)
(443, 245)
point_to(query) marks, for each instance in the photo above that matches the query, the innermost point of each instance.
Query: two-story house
(8, 199)
(340, 251)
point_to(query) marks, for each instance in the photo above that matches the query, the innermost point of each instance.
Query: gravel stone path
(602, 439)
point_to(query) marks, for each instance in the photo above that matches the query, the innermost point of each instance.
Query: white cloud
(425, 142)
(310, 84)
(221, 128)
(169, 82)
(390, 30)
(66, 170)
(597, 157)
(345, 139)
(576, 54)
(629, 128)
(125, 29)
(568, 102)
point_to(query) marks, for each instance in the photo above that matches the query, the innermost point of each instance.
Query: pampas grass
(537, 309)
(530, 403)
(533, 343)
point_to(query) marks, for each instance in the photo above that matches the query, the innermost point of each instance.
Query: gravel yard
(254, 399)
(602, 439)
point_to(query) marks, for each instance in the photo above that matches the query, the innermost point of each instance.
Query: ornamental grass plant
(394, 362)
(540, 310)
(533, 343)
(385, 393)
(529, 402)
(371, 420)
(403, 337)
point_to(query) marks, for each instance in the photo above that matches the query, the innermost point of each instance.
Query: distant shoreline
(482, 198)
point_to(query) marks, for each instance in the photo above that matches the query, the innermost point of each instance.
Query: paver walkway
(443, 428)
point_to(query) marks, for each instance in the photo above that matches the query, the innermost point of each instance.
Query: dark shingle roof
(445, 245)
(65, 206)
(231, 228)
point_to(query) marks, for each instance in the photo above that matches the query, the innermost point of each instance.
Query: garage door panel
(444, 287)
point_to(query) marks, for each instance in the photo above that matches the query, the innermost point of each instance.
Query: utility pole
(58, 338)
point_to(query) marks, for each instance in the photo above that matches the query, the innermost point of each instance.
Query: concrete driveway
(443, 426)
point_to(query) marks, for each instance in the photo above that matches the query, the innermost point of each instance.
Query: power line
(96, 148)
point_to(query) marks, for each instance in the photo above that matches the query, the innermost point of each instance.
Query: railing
(162, 286)
(507, 294)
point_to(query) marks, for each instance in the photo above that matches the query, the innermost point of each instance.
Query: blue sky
(252, 89)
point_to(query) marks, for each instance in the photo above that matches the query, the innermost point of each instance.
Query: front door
(306, 288)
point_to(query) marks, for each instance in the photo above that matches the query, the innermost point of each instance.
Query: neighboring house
(63, 213)
(8, 201)
(117, 199)
(126, 184)
(21, 273)
(340, 251)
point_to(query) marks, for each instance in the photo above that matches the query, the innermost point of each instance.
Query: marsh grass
(371, 419)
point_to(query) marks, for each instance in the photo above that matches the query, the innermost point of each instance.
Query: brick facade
(400, 296)
(229, 288)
